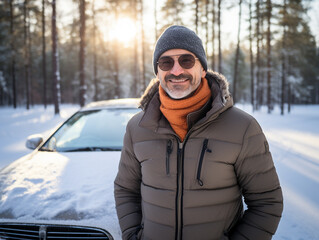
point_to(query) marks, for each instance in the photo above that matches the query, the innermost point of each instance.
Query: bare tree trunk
(26, 55)
(13, 52)
(289, 97)
(213, 34)
(116, 71)
(283, 62)
(252, 80)
(116, 62)
(82, 53)
(156, 20)
(176, 15)
(263, 60)
(55, 62)
(219, 38)
(142, 43)
(206, 25)
(196, 16)
(95, 79)
(30, 59)
(136, 86)
(44, 65)
(237, 54)
(269, 10)
(258, 102)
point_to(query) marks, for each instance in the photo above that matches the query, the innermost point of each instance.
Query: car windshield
(93, 130)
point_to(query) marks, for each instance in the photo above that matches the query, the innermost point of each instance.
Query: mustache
(179, 77)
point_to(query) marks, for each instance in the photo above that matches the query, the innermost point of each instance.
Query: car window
(94, 130)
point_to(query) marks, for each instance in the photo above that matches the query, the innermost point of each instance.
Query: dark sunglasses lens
(165, 63)
(186, 61)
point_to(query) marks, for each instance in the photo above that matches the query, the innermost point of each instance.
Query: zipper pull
(204, 149)
(169, 150)
(200, 182)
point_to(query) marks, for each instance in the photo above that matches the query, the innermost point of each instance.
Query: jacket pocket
(169, 149)
(201, 159)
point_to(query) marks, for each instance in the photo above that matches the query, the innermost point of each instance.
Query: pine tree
(44, 67)
(55, 62)
(299, 47)
(26, 53)
(13, 56)
(82, 52)
(269, 15)
(220, 65)
(237, 53)
(252, 66)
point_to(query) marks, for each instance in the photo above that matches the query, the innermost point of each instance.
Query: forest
(54, 51)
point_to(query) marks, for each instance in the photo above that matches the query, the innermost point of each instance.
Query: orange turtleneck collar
(176, 110)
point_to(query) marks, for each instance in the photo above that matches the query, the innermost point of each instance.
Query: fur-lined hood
(211, 76)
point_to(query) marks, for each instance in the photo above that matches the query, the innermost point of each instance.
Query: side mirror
(33, 141)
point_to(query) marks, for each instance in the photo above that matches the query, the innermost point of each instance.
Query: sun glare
(123, 30)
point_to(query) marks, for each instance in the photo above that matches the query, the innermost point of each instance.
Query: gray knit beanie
(179, 37)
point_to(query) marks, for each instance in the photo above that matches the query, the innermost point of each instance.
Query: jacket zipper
(200, 164)
(179, 196)
(180, 183)
(169, 150)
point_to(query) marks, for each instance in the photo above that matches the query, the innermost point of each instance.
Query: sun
(123, 30)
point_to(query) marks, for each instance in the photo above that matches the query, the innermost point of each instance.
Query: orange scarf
(176, 111)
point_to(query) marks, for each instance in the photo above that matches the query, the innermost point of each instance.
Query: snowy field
(293, 139)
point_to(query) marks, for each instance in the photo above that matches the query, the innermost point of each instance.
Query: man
(190, 157)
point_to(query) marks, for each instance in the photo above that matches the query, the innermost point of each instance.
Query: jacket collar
(153, 118)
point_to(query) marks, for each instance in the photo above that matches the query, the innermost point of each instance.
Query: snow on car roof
(114, 103)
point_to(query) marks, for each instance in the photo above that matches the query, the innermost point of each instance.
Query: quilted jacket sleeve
(260, 186)
(127, 191)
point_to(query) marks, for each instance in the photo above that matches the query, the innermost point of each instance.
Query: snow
(75, 186)
(17, 124)
(294, 143)
(293, 140)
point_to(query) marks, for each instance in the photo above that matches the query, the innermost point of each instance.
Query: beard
(179, 91)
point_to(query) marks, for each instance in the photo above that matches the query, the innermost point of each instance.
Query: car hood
(74, 188)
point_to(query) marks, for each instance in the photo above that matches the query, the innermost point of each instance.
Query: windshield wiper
(90, 149)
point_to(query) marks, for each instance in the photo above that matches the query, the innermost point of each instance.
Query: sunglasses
(186, 61)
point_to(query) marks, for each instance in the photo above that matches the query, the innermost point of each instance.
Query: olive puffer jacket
(167, 189)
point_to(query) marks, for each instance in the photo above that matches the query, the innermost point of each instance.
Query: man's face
(179, 82)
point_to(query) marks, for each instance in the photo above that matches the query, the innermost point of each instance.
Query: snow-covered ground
(294, 143)
(293, 139)
(17, 124)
